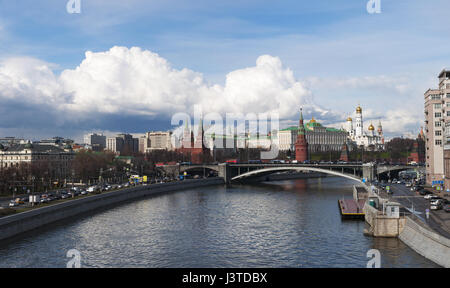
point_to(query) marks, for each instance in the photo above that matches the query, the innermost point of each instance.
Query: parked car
(428, 196)
(436, 206)
(437, 201)
(13, 204)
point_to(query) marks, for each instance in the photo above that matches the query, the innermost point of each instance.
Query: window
(438, 142)
(448, 113)
(435, 96)
(438, 133)
(437, 124)
(437, 106)
(448, 94)
(438, 114)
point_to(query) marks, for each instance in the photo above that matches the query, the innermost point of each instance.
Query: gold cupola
(371, 127)
(312, 120)
(358, 109)
(349, 119)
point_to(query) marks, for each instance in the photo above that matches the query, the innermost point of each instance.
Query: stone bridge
(241, 172)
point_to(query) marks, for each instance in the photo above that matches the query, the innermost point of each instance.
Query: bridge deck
(351, 208)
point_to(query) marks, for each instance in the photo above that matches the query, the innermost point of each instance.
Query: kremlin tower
(301, 145)
(196, 150)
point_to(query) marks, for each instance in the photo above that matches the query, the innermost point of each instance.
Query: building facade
(319, 138)
(97, 142)
(58, 160)
(123, 144)
(437, 130)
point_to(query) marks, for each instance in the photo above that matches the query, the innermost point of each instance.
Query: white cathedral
(360, 137)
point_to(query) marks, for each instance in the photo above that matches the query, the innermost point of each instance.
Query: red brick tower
(414, 155)
(301, 145)
(344, 153)
(199, 149)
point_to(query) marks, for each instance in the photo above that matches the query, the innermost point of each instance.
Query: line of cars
(436, 202)
(65, 194)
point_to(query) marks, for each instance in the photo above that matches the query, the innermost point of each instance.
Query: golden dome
(359, 109)
(349, 119)
(371, 128)
(312, 120)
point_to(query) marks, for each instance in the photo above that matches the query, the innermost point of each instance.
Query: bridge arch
(271, 170)
(199, 167)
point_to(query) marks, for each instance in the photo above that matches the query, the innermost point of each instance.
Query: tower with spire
(199, 149)
(359, 122)
(301, 145)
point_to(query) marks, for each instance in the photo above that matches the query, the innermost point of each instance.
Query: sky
(129, 66)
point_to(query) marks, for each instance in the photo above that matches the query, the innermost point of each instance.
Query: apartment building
(97, 142)
(437, 118)
(123, 144)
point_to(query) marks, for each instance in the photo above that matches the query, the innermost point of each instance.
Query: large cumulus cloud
(132, 82)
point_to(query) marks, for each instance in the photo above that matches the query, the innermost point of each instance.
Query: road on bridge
(439, 220)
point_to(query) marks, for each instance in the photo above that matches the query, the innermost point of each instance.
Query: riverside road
(439, 220)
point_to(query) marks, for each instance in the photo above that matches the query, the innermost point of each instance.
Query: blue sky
(339, 53)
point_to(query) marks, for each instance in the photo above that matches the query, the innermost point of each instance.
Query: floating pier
(352, 209)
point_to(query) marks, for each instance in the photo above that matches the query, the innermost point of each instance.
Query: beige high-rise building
(156, 141)
(437, 117)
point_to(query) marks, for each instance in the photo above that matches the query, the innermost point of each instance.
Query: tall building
(368, 139)
(96, 141)
(301, 145)
(123, 144)
(159, 140)
(437, 110)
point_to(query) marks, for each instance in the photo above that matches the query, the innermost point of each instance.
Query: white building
(56, 159)
(368, 138)
(160, 140)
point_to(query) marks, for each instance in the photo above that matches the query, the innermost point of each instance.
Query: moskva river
(293, 223)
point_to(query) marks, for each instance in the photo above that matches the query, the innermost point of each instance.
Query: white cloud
(122, 81)
(129, 82)
(29, 80)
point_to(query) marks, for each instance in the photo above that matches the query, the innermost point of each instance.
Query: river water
(293, 223)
